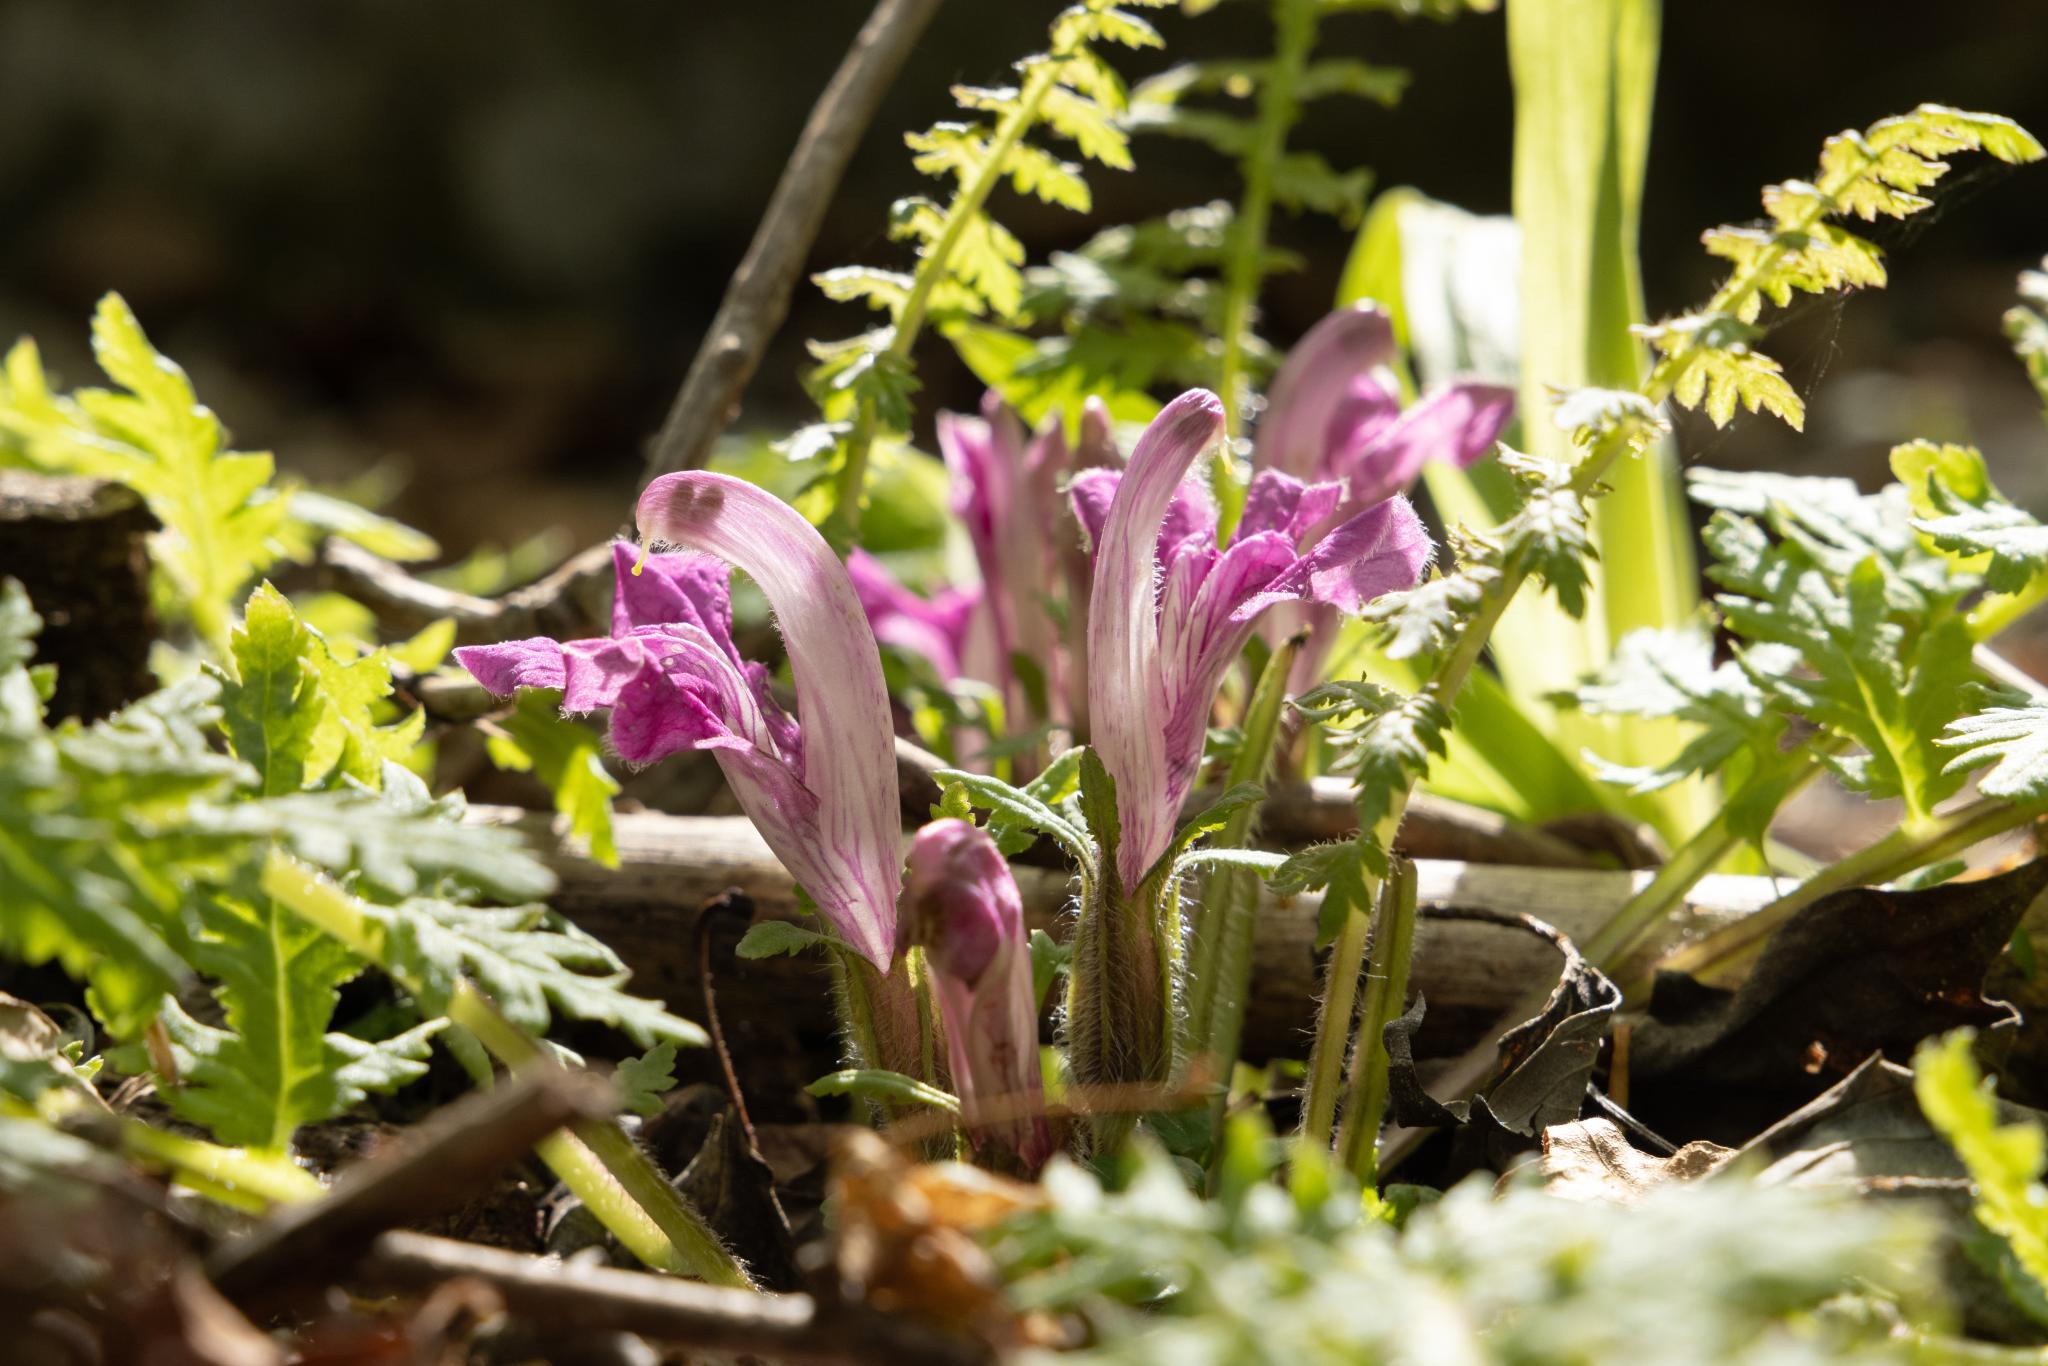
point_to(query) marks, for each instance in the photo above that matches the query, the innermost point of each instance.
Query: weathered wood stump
(78, 547)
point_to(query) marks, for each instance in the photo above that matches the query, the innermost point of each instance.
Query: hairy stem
(1386, 994)
(1333, 1017)
(1294, 34)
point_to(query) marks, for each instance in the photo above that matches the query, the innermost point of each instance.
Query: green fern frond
(1706, 356)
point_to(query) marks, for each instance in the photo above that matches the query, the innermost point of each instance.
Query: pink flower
(1171, 610)
(934, 628)
(1335, 413)
(961, 903)
(1005, 493)
(827, 803)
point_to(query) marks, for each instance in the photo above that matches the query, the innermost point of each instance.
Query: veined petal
(1313, 382)
(692, 589)
(1125, 701)
(848, 857)
(934, 627)
(1277, 501)
(1382, 549)
(513, 664)
(1458, 423)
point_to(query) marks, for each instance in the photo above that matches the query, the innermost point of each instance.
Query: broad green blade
(1585, 73)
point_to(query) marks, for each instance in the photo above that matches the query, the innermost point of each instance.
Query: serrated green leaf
(1021, 808)
(220, 519)
(2014, 738)
(272, 707)
(2005, 1161)
(644, 1080)
(770, 938)
(321, 515)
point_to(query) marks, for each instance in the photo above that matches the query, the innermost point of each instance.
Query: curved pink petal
(1381, 550)
(846, 852)
(1458, 423)
(513, 664)
(1126, 696)
(1314, 381)
(935, 627)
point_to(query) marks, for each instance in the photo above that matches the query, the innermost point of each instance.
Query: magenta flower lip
(1171, 610)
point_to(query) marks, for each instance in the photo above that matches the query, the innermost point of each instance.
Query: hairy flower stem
(1386, 995)
(1220, 963)
(1119, 1018)
(1722, 955)
(234, 1177)
(932, 268)
(1294, 34)
(886, 1020)
(594, 1158)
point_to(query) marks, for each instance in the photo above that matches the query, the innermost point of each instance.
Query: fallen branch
(757, 299)
(434, 1168)
(669, 866)
(580, 1298)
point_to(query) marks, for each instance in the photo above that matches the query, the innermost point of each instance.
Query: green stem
(1347, 958)
(1640, 916)
(1386, 995)
(1294, 38)
(230, 1176)
(1220, 952)
(933, 267)
(594, 1158)
(1904, 849)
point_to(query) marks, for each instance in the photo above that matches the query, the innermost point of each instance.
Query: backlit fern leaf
(1707, 358)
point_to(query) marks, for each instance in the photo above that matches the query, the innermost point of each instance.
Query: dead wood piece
(571, 1296)
(78, 546)
(669, 866)
(757, 299)
(434, 1168)
(574, 599)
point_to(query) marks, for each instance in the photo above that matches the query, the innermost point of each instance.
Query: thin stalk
(1386, 994)
(1294, 38)
(242, 1180)
(932, 269)
(1333, 1030)
(1220, 952)
(1900, 852)
(594, 1158)
(1639, 917)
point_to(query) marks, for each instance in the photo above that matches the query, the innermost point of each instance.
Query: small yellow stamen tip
(640, 563)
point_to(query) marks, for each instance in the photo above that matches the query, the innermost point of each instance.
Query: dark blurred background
(478, 243)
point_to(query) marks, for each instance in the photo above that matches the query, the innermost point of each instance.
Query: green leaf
(425, 650)
(272, 708)
(398, 839)
(1213, 817)
(1585, 77)
(1672, 674)
(221, 520)
(1099, 810)
(533, 963)
(887, 1088)
(325, 515)
(644, 1080)
(2014, 738)
(1049, 958)
(568, 759)
(770, 938)
(2026, 325)
(1022, 809)
(2005, 1161)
